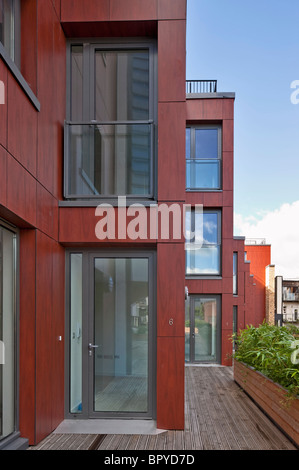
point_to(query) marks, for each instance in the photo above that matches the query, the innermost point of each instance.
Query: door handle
(91, 347)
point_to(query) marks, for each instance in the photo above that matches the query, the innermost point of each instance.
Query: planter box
(271, 398)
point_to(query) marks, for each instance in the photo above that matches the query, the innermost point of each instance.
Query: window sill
(204, 190)
(19, 77)
(112, 202)
(203, 276)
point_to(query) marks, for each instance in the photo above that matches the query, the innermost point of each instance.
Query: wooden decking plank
(218, 416)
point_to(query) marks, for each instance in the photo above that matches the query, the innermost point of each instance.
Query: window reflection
(203, 258)
(203, 157)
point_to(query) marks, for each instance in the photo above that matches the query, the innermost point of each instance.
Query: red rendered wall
(259, 257)
(31, 156)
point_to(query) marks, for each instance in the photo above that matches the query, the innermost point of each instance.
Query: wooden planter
(271, 398)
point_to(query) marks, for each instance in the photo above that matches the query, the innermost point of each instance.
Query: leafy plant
(268, 349)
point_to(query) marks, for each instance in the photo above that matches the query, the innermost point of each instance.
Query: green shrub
(268, 349)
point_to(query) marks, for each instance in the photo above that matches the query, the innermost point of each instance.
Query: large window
(203, 249)
(110, 127)
(203, 158)
(10, 28)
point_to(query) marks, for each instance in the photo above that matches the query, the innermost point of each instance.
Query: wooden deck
(218, 416)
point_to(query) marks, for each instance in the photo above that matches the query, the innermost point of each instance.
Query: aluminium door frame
(9, 440)
(217, 297)
(88, 255)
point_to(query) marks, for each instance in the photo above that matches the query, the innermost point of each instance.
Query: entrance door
(202, 340)
(115, 379)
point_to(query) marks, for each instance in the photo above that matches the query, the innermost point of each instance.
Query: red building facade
(95, 109)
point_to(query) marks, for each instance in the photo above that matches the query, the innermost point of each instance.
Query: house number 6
(170, 321)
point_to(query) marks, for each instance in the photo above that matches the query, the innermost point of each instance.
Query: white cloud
(280, 228)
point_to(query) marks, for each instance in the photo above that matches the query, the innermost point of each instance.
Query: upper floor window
(203, 250)
(9, 28)
(203, 158)
(109, 132)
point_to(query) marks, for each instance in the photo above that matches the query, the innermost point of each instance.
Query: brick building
(96, 110)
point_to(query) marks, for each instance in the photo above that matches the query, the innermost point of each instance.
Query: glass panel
(205, 327)
(235, 325)
(121, 334)
(235, 273)
(7, 32)
(188, 143)
(109, 159)
(210, 228)
(206, 143)
(121, 85)
(7, 332)
(205, 260)
(202, 174)
(77, 83)
(187, 330)
(76, 333)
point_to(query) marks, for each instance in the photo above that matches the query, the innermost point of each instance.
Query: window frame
(14, 66)
(15, 34)
(193, 128)
(93, 44)
(235, 273)
(218, 275)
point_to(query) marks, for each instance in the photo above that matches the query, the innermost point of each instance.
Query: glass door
(7, 332)
(203, 329)
(120, 331)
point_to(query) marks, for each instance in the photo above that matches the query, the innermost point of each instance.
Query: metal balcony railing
(201, 86)
(255, 241)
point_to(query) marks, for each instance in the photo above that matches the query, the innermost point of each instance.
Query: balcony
(107, 159)
(201, 86)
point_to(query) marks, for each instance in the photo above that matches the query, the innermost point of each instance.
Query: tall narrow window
(9, 28)
(235, 325)
(75, 333)
(109, 135)
(205, 258)
(235, 273)
(203, 158)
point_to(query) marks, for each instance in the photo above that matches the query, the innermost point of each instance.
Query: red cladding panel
(22, 127)
(171, 151)
(172, 9)
(171, 60)
(170, 289)
(21, 191)
(170, 382)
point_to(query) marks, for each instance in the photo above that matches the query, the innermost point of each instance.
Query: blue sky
(252, 49)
